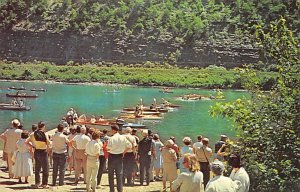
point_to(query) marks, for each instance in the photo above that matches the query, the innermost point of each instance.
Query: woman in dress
(185, 150)
(158, 158)
(23, 159)
(169, 163)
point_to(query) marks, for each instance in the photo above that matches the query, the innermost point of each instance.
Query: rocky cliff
(63, 47)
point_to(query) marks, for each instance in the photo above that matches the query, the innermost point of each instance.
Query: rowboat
(161, 110)
(166, 91)
(134, 125)
(21, 95)
(83, 120)
(17, 88)
(99, 123)
(112, 91)
(6, 106)
(40, 89)
(144, 112)
(144, 117)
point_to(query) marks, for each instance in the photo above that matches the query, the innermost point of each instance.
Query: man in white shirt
(117, 146)
(11, 136)
(198, 144)
(59, 149)
(80, 142)
(203, 155)
(129, 157)
(92, 150)
(238, 173)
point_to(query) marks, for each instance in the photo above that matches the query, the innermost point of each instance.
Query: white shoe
(99, 187)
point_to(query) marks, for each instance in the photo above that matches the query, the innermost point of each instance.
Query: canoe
(114, 91)
(161, 110)
(41, 89)
(166, 91)
(22, 95)
(14, 107)
(134, 125)
(99, 123)
(144, 112)
(144, 117)
(17, 88)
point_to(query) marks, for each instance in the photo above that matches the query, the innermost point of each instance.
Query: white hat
(217, 167)
(187, 139)
(15, 122)
(128, 130)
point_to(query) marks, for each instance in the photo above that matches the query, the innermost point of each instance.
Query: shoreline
(113, 84)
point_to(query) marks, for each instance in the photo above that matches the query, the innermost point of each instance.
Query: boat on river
(39, 89)
(196, 97)
(25, 95)
(17, 88)
(111, 91)
(7, 106)
(134, 125)
(166, 90)
(161, 110)
(83, 120)
(144, 112)
(143, 117)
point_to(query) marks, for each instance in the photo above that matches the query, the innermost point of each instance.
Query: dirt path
(12, 184)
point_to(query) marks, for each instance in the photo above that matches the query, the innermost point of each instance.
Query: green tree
(268, 123)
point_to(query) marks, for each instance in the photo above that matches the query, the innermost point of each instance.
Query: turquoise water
(191, 119)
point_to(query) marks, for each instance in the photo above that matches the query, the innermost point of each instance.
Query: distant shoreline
(109, 84)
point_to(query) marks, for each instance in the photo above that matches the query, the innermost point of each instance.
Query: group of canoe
(128, 114)
(23, 94)
(101, 121)
(194, 97)
(152, 112)
(19, 105)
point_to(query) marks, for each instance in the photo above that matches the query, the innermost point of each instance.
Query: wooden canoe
(17, 88)
(21, 95)
(41, 90)
(14, 107)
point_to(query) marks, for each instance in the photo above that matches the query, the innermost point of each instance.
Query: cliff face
(63, 47)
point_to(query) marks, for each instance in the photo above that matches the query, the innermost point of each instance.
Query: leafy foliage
(147, 74)
(268, 123)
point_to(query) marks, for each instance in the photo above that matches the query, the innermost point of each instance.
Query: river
(191, 119)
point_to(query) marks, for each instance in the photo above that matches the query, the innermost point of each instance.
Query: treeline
(186, 19)
(148, 75)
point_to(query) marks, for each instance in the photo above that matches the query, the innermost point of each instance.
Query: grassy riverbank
(143, 75)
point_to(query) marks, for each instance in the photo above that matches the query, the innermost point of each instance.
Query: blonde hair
(192, 162)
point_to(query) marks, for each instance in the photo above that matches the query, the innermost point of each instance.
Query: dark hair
(199, 137)
(78, 129)
(96, 135)
(187, 142)
(41, 124)
(234, 161)
(20, 127)
(133, 131)
(34, 127)
(72, 130)
(173, 138)
(105, 131)
(60, 127)
(24, 135)
(115, 127)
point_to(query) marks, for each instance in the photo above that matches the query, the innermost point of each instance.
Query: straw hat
(169, 143)
(15, 122)
(128, 130)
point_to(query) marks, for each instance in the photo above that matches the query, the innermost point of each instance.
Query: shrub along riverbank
(143, 75)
